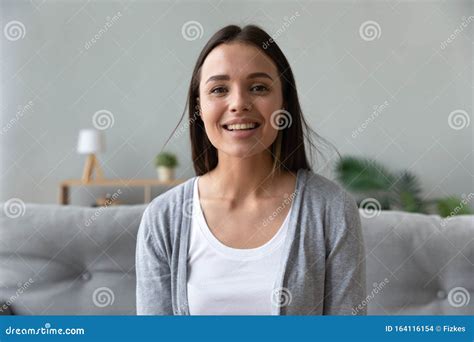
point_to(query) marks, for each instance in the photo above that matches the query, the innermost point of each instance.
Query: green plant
(451, 206)
(366, 176)
(166, 159)
(408, 193)
(393, 191)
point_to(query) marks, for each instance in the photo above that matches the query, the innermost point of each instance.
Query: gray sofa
(69, 260)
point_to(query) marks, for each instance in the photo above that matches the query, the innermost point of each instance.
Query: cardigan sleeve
(345, 278)
(152, 270)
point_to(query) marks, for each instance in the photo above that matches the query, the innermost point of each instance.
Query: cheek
(211, 114)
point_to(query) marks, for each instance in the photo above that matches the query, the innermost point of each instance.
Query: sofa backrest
(70, 260)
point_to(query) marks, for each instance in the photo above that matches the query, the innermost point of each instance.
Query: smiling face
(239, 85)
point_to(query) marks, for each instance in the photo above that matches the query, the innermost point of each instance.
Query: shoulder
(330, 202)
(162, 219)
(319, 188)
(171, 199)
(327, 198)
(160, 215)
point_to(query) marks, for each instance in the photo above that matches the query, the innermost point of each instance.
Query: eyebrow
(226, 77)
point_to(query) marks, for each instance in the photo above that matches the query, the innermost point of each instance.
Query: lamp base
(91, 165)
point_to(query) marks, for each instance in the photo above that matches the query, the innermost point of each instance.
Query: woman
(256, 232)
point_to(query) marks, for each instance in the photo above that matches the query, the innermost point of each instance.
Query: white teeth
(242, 126)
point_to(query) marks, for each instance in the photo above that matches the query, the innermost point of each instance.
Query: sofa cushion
(419, 264)
(69, 260)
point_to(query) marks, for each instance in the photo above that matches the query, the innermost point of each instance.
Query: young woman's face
(239, 85)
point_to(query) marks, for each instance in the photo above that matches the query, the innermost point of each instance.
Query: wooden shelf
(145, 183)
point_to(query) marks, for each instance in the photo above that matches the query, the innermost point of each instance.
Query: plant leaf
(363, 175)
(452, 206)
(408, 193)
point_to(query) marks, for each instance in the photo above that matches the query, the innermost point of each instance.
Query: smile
(241, 127)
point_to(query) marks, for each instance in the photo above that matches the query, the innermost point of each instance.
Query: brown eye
(259, 88)
(218, 90)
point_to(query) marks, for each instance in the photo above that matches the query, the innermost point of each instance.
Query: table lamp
(90, 142)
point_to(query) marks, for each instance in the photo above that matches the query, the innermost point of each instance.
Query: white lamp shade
(90, 141)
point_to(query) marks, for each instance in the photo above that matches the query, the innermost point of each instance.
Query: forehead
(236, 59)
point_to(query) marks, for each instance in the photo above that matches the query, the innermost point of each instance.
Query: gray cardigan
(322, 271)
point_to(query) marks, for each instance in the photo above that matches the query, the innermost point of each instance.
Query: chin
(241, 152)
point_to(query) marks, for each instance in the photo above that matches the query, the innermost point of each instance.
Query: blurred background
(389, 81)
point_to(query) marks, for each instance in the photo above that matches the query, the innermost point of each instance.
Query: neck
(243, 178)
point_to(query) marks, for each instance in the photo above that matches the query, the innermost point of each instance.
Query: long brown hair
(288, 149)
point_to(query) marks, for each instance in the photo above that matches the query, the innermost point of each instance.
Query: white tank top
(230, 281)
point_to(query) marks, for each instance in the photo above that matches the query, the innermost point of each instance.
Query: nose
(240, 101)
